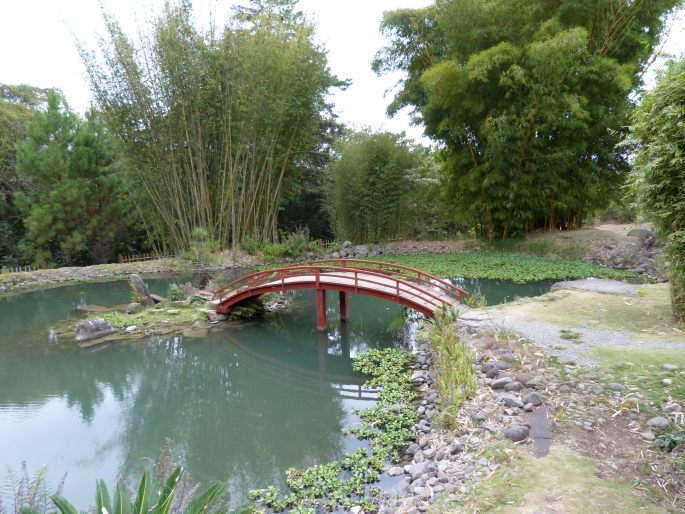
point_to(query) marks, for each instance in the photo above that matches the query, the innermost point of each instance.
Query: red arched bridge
(406, 286)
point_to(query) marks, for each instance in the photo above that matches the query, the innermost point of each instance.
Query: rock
(156, 298)
(565, 388)
(429, 453)
(131, 329)
(532, 397)
(517, 433)
(423, 442)
(648, 435)
(141, 291)
(501, 382)
(395, 471)
(412, 449)
(457, 448)
(615, 386)
(173, 312)
(513, 386)
(347, 244)
(673, 407)
(213, 316)
(479, 416)
(361, 251)
(92, 329)
(667, 381)
(524, 378)
(658, 421)
(188, 290)
(528, 407)
(511, 400)
(335, 255)
(133, 307)
(645, 235)
(597, 388)
(488, 366)
(669, 367)
(418, 376)
(416, 470)
(357, 509)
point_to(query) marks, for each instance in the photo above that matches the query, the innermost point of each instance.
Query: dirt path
(574, 324)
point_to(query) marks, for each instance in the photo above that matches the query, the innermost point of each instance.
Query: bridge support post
(321, 321)
(344, 306)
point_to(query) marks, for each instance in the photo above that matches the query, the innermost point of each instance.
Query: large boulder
(361, 251)
(93, 329)
(141, 291)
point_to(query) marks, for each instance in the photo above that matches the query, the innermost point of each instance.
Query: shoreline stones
(92, 329)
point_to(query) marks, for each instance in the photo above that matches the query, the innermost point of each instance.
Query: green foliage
(381, 187)
(529, 99)
(202, 249)
(388, 427)
(669, 438)
(78, 210)
(26, 493)
(17, 106)
(250, 244)
(217, 124)
(505, 266)
(660, 170)
(455, 375)
(150, 498)
(174, 293)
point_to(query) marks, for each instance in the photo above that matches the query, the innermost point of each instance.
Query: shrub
(250, 244)
(174, 293)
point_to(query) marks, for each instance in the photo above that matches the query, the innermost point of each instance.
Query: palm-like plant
(149, 500)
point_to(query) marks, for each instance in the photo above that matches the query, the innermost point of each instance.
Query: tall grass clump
(455, 376)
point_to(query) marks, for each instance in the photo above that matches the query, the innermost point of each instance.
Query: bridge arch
(404, 285)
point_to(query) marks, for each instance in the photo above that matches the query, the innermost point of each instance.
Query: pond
(240, 405)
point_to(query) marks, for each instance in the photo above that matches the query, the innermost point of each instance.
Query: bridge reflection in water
(334, 364)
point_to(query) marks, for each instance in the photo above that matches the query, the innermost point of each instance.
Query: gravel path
(579, 343)
(548, 336)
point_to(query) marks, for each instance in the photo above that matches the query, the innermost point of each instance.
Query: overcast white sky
(37, 42)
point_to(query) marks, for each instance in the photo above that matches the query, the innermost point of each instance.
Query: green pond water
(241, 405)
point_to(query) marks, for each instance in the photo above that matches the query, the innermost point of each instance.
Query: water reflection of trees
(241, 406)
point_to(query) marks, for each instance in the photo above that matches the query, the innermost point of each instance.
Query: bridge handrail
(381, 269)
(391, 267)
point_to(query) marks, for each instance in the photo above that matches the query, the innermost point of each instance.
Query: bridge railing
(386, 276)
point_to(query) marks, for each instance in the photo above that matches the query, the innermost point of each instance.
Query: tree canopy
(378, 187)
(660, 170)
(217, 125)
(77, 209)
(529, 99)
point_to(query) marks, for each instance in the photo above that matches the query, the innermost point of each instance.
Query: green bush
(202, 248)
(250, 244)
(272, 251)
(174, 293)
(296, 244)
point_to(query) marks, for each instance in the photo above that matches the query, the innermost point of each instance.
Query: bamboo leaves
(215, 124)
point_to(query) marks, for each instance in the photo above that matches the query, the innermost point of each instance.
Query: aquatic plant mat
(387, 427)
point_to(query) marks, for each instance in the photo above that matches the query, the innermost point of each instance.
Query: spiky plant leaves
(141, 503)
(102, 501)
(206, 498)
(121, 503)
(63, 505)
(166, 496)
